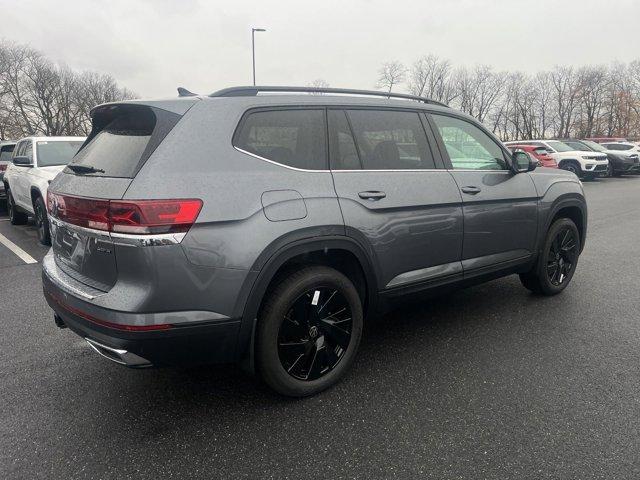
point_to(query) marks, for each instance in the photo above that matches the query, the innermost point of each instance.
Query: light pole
(253, 50)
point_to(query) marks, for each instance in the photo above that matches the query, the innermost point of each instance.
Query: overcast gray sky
(153, 46)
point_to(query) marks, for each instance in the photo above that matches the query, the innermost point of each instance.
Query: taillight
(3, 167)
(153, 216)
(142, 217)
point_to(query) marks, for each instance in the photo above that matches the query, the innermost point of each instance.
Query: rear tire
(16, 217)
(308, 331)
(556, 262)
(42, 221)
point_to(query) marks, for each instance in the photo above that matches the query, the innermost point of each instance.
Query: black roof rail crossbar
(251, 91)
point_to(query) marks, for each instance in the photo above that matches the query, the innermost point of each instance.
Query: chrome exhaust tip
(117, 355)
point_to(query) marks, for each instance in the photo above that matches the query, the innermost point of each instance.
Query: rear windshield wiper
(78, 168)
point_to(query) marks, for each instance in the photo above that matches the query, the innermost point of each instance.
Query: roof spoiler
(183, 92)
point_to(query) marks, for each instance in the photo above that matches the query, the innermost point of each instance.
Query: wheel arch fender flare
(565, 200)
(282, 255)
(34, 191)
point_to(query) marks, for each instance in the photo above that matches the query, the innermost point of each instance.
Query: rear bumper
(140, 340)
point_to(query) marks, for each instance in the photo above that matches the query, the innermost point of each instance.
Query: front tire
(557, 261)
(572, 166)
(16, 217)
(42, 221)
(308, 331)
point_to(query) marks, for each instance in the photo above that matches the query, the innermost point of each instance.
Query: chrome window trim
(368, 171)
(414, 170)
(279, 164)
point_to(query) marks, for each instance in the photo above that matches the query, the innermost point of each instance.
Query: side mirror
(23, 161)
(522, 162)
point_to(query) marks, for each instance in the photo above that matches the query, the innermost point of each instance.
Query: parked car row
(289, 220)
(586, 158)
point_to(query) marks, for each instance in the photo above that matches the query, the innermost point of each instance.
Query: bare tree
(318, 83)
(390, 74)
(430, 76)
(38, 96)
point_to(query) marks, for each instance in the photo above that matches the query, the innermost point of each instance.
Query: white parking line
(24, 256)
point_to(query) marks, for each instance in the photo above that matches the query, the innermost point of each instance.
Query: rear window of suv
(118, 146)
(295, 138)
(52, 153)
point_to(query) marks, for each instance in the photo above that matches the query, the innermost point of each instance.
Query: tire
(41, 221)
(572, 166)
(16, 217)
(298, 352)
(543, 278)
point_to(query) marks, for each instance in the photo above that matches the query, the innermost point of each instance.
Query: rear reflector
(141, 217)
(104, 323)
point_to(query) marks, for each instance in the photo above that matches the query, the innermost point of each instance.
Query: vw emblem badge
(313, 332)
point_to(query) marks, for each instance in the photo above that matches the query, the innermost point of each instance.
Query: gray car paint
(416, 233)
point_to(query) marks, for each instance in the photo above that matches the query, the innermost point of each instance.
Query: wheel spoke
(318, 363)
(335, 333)
(333, 294)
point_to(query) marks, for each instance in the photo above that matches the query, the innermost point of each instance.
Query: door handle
(470, 189)
(372, 195)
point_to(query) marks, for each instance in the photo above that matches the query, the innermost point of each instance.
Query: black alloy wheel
(16, 217)
(557, 261)
(315, 333)
(570, 167)
(562, 256)
(308, 330)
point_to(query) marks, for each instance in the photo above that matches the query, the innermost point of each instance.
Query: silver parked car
(287, 220)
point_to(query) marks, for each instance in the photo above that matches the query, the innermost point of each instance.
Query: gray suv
(265, 228)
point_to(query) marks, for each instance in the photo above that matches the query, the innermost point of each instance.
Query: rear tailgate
(122, 139)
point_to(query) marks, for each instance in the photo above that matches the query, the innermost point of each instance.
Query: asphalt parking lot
(489, 382)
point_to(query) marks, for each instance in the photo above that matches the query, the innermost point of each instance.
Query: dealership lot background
(490, 382)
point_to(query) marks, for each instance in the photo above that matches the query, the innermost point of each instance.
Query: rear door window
(295, 138)
(343, 152)
(390, 140)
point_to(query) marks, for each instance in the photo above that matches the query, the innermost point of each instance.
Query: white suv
(35, 162)
(626, 148)
(585, 165)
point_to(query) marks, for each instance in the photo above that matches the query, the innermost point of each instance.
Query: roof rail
(250, 91)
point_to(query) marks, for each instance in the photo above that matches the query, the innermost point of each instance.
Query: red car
(539, 153)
